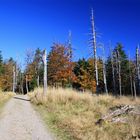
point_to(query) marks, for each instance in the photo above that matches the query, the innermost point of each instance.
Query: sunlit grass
(4, 96)
(72, 114)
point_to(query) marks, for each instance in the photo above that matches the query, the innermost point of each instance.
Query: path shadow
(22, 99)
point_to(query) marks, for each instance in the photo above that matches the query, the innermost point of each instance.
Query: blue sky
(28, 24)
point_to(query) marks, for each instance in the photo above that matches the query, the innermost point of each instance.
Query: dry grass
(73, 115)
(4, 96)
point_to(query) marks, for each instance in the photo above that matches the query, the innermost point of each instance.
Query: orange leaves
(29, 77)
(59, 65)
(84, 73)
(7, 76)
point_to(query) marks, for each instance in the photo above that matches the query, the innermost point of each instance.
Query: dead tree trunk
(104, 69)
(14, 78)
(38, 81)
(94, 49)
(70, 46)
(130, 76)
(70, 56)
(45, 71)
(21, 84)
(16, 74)
(120, 114)
(137, 67)
(104, 73)
(27, 90)
(134, 85)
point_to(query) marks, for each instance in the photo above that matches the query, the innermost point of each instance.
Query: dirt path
(19, 121)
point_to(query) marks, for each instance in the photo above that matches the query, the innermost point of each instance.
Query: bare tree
(45, 71)
(19, 75)
(134, 79)
(26, 78)
(21, 78)
(28, 60)
(70, 53)
(38, 81)
(138, 66)
(104, 67)
(14, 78)
(94, 49)
(70, 46)
(29, 56)
(21, 82)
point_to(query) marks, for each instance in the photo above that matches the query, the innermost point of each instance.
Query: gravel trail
(19, 121)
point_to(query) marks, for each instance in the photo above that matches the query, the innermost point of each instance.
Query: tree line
(121, 73)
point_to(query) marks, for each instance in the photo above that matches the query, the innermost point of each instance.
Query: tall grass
(4, 96)
(73, 115)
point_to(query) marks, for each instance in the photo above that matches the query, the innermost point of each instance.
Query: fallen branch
(124, 110)
(114, 116)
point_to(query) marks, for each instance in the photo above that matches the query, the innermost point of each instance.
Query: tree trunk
(21, 84)
(38, 81)
(27, 90)
(45, 71)
(135, 94)
(130, 76)
(14, 75)
(104, 71)
(94, 50)
(137, 67)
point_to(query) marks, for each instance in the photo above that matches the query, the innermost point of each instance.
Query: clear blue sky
(38, 23)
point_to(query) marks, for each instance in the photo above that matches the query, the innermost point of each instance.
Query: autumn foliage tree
(59, 66)
(84, 73)
(6, 77)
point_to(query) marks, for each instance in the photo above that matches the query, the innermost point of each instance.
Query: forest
(117, 75)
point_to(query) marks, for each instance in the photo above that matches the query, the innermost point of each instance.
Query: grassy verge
(72, 115)
(4, 97)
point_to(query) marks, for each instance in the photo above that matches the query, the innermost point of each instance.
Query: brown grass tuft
(73, 115)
